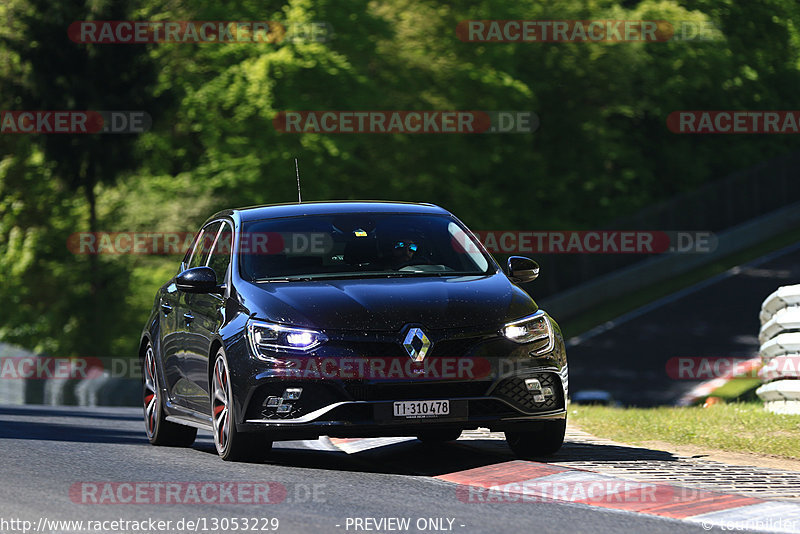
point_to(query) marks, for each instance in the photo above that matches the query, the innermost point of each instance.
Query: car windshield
(358, 245)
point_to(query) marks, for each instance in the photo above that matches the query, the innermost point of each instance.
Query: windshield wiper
(367, 274)
(286, 279)
(442, 273)
(330, 276)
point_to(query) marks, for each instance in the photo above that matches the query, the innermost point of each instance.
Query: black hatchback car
(349, 319)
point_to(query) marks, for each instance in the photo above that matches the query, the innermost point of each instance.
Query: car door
(171, 329)
(180, 386)
(168, 331)
(207, 311)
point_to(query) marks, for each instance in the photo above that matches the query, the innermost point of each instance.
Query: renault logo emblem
(417, 344)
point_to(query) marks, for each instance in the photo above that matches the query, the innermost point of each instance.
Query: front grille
(416, 391)
(356, 348)
(514, 391)
(441, 348)
(453, 348)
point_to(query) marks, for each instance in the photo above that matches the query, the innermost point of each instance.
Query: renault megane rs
(349, 319)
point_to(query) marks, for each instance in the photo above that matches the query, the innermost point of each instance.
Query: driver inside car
(403, 252)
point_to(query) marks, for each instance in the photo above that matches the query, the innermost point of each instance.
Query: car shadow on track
(293, 454)
(410, 457)
(414, 458)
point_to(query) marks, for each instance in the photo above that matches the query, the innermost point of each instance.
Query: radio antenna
(297, 172)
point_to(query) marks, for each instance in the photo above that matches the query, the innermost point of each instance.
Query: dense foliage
(602, 150)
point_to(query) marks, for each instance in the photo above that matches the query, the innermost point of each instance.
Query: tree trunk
(95, 284)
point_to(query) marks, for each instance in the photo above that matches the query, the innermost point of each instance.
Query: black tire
(439, 435)
(231, 445)
(543, 438)
(159, 430)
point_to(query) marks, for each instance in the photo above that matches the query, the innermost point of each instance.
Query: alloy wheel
(221, 413)
(150, 392)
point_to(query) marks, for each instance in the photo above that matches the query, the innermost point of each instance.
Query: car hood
(387, 304)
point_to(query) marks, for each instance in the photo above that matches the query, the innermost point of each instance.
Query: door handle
(166, 308)
(188, 317)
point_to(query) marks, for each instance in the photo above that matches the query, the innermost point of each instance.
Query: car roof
(294, 209)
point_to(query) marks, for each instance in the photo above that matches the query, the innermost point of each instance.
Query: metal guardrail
(779, 337)
(717, 206)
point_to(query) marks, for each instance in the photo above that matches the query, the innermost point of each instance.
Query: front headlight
(535, 329)
(265, 336)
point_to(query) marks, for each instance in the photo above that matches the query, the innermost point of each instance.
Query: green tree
(57, 74)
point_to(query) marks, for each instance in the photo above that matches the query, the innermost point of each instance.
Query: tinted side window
(203, 246)
(221, 254)
(188, 255)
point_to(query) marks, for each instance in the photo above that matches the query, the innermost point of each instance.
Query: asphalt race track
(47, 452)
(717, 318)
(80, 464)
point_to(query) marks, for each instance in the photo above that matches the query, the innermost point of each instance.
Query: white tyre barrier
(783, 297)
(779, 337)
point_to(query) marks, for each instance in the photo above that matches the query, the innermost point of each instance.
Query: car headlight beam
(535, 329)
(270, 337)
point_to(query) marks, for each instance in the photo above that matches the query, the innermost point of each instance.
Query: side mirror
(522, 270)
(197, 280)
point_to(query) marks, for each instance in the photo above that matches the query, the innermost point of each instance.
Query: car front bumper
(495, 397)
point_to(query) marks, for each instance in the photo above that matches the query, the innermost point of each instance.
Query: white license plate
(420, 409)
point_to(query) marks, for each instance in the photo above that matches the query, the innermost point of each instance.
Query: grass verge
(738, 389)
(737, 427)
